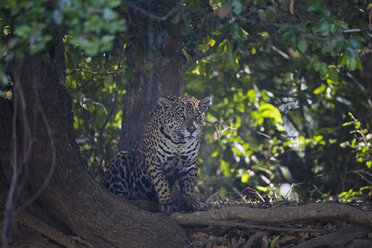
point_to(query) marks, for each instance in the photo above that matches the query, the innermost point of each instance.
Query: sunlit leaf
(302, 45)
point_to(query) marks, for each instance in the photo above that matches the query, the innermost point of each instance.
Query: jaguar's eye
(198, 117)
(181, 114)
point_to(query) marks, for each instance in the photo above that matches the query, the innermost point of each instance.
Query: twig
(240, 194)
(215, 125)
(263, 134)
(251, 190)
(200, 55)
(212, 196)
(153, 16)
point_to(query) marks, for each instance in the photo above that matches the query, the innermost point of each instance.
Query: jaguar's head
(182, 117)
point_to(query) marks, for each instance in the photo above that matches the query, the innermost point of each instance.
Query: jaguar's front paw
(190, 204)
(166, 208)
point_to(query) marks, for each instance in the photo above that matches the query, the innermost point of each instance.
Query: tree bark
(159, 75)
(72, 201)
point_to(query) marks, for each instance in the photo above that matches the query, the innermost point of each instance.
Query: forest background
(290, 82)
(292, 102)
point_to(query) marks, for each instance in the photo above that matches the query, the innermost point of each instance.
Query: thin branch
(360, 173)
(212, 196)
(113, 107)
(96, 73)
(200, 55)
(218, 132)
(153, 16)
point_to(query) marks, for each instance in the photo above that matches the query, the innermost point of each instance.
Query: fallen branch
(280, 215)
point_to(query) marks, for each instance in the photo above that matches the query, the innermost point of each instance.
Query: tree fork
(72, 197)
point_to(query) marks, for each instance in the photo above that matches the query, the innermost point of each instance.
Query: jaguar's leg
(118, 174)
(186, 179)
(162, 188)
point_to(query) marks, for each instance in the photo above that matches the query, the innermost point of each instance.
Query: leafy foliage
(282, 81)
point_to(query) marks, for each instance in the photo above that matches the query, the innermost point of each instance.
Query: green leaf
(342, 61)
(320, 89)
(314, 7)
(237, 6)
(369, 164)
(251, 94)
(317, 66)
(333, 75)
(261, 188)
(289, 38)
(323, 69)
(279, 127)
(302, 45)
(245, 177)
(351, 64)
(325, 48)
(108, 14)
(230, 55)
(270, 111)
(272, 244)
(226, 168)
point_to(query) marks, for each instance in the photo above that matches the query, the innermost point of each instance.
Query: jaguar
(163, 165)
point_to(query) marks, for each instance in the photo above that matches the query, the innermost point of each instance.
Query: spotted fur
(165, 160)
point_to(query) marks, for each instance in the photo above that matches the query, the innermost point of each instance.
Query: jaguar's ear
(205, 103)
(164, 103)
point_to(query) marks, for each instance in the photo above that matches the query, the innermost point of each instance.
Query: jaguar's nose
(191, 128)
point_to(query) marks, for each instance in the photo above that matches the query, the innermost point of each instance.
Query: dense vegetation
(290, 82)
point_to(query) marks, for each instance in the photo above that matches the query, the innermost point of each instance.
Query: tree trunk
(159, 75)
(72, 203)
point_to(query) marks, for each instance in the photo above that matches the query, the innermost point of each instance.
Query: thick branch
(280, 215)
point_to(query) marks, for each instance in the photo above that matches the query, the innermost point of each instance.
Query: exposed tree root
(320, 225)
(279, 215)
(338, 238)
(254, 238)
(46, 230)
